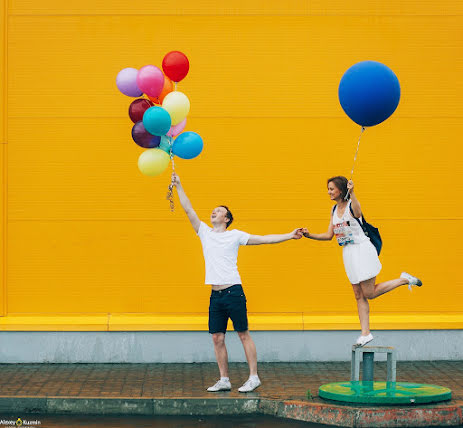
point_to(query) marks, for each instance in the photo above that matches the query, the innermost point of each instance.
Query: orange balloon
(155, 100)
(168, 87)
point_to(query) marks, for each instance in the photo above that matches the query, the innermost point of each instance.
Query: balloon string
(355, 158)
(170, 193)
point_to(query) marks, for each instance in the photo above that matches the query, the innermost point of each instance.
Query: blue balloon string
(355, 158)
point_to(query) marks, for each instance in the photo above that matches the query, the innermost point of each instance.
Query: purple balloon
(126, 82)
(143, 138)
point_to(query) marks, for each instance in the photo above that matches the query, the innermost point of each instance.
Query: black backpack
(369, 230)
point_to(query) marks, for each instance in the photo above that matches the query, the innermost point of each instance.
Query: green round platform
(384, 392)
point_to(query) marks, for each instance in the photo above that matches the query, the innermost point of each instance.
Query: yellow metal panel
(279, 321)
(327, 321)
(56, 322)
(3, 67)
(3, 153)
(165, 8)
(104, 266)
(158, 322)
(271, 67)
(418, 321)
(198, 322)
(86, 169)
(89, 234)
(142, 266)
(4, 231)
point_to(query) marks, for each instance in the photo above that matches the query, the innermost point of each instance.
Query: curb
(130, 406)
(450, 414)
(447, 414)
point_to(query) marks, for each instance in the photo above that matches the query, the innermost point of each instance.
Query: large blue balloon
(187, 145)
(156, 121)
(369, 92)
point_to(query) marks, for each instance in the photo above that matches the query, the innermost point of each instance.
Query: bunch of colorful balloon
(161, 115)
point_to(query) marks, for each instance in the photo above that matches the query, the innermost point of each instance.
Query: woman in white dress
(360, 257)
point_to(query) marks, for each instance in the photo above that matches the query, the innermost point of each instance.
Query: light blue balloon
(156, 121)
(187, 145)
(166, 144)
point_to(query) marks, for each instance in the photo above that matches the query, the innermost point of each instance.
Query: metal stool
(368, 354)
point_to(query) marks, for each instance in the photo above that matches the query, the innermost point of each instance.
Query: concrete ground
(181, 389)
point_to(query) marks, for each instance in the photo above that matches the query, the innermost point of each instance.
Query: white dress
(361, 260)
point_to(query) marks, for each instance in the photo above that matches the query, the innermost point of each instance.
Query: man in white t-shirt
(220, 248)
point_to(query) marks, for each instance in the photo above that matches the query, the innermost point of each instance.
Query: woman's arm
(354, 201)
(327, 236)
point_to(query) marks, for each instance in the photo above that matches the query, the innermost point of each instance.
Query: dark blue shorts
(228, 303)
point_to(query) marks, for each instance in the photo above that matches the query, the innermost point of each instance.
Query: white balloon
(178, 105)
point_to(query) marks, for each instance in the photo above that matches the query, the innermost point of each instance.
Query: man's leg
(250, 351)
(223, 384)
(221, 354)
(239, 315)
(218, 318)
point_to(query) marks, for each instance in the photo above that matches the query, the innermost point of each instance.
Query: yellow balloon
(153, 162)
(178, 106)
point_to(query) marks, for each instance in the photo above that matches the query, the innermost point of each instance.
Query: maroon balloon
(143, 138)
(175, 65)
(137, 109)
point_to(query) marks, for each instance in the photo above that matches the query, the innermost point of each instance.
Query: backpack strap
(353, 215)
(361, 223)
(332, 211)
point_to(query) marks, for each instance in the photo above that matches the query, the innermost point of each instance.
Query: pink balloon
(150, 80)
(176, 129)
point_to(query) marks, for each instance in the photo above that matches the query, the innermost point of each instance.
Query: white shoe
(251, 384)
(412, 280)
(363, 340)
(220, 385)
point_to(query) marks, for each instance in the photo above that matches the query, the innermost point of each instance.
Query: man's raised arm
(186, 204)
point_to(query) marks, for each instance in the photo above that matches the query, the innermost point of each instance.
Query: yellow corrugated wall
(90, 243)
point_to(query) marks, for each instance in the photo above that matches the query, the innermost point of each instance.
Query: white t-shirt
(221, 253)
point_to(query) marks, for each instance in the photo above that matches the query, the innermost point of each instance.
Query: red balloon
(137, 109)
(175, 65)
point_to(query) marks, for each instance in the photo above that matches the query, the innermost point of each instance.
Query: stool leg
(368, 366)
(352, 367)
(356, 365)
(391, 367)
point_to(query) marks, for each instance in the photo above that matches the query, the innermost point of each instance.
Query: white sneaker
(412, 280)
(251, 384)
(363, 340)
(220, 385)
